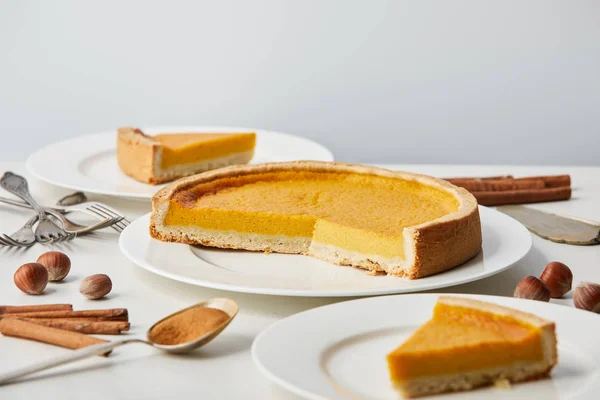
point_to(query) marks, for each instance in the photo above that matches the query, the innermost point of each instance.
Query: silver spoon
(228, 306)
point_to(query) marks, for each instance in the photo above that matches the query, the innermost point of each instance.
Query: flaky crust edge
(137, 155)
(432, 247)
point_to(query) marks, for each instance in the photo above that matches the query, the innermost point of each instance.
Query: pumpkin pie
(469, 343)
(165, 157)
(398, 223)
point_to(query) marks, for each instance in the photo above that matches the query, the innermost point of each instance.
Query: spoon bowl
(228, 306)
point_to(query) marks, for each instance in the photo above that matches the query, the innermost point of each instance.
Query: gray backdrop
(376, 81)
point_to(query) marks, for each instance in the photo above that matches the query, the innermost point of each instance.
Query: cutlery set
(51, 224)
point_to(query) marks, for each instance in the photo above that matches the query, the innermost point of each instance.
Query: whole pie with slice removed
(398, 223)
(469, 343)
(395, 222)
(165, 157)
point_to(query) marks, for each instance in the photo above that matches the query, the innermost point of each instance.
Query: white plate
(88, 163)
(505, 241)
(338, 351)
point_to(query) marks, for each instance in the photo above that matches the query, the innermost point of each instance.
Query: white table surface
(224, 368)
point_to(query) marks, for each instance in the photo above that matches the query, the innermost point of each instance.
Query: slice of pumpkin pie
(165, 157)
(469, 343)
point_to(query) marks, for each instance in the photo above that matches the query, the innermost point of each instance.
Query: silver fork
(91, 208)
(46, 231)
(97, 210)
(24, 237)
(73, 228)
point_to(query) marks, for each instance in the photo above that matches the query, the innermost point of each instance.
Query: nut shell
(558, 277)
(58, 264)
(532, 288)
(31, 278)
(587, 296)
(95, 286)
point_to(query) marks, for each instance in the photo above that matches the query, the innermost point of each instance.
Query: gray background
(375, 81)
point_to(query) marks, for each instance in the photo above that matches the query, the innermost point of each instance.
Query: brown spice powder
(188, 326)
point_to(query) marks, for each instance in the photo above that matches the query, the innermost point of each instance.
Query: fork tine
(116, 227)
(110, 222)
(103, 211)
(8, 241)
(106, 211)
(3, 242)
(107, 223)
(111, 211)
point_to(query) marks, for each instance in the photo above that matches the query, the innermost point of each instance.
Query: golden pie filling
(358, 212)
(187, 148)
(458, 340)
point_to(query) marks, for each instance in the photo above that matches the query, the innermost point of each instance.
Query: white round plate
(88, 163)
(338, 351)
(505, 241)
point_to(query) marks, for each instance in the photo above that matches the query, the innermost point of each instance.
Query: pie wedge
(398, 223)
(469, 343)
(165, 157)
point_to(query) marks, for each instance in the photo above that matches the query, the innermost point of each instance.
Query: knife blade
(554, 227)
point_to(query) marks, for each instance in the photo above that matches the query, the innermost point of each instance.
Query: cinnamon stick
(26, 330)
(522, 196)
(83, 326)
(497, 185)
(550, 181)
(35, 308)
(114, 314)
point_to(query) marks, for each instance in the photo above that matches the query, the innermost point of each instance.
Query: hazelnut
(558, 277)
(587, 296)
(95, 286)
(532, 288)
(31, 278)
(58, 264)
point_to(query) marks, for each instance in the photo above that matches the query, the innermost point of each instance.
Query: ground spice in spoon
(187, 326)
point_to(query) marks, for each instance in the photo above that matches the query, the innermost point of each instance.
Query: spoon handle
(76, 355)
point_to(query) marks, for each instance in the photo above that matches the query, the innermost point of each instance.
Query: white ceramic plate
(338, 351)
(505, 241)
(88, 163)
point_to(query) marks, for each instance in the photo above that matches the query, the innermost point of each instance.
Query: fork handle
(22, 204)
(15, 203)
(18, 186)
